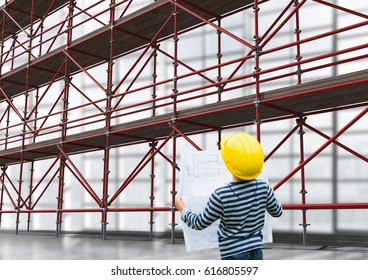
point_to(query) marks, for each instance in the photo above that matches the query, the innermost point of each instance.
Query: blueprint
(201, 172)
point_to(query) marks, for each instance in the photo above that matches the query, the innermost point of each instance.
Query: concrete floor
(45, 246)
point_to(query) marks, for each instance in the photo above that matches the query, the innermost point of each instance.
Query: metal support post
(297, 32)
(219, 61)
(173, 224)
(2, 46)
(335, 158)
(173, 192)
(152, 191)
(32, 169)
(3, 169)
(257, 68)
(30, 195)
(64, 122)
(304, 225)
(24, 118)
(303, 190)
(104, 224)
(109, 91)
(153, 144)
(60, 196)
(174, 136)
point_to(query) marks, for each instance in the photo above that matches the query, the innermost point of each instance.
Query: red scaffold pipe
(325, 206)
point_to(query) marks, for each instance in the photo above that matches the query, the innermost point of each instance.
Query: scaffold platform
(135, 31)
(290, 102)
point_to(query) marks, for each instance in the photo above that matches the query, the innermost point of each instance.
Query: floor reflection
(78, 247)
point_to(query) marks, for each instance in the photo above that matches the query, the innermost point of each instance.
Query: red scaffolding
(136, 110)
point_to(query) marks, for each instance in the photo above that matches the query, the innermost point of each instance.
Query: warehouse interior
(100, 100)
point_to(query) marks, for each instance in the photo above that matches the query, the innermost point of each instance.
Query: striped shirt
(240, 206)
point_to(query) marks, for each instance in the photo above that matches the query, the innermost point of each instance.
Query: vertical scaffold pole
(152, 190)
(303, 191)
(219, 74)
(60, 196)
(3, 58)
(30, 195)
(297, 32)
(257, 53)
(64, 121)
(174, 96)
(7, 126)
(32, 169)
(40, 40)
(301, 121)
(335, 159)
(24, 127)
(14, 37)
(2, 46)
(153, 144)
(3, 168)
(109, 92)
(219, 61)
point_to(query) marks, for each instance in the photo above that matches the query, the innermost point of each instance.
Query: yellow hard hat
(242, 155)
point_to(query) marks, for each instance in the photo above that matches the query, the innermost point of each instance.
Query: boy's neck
(237, 180)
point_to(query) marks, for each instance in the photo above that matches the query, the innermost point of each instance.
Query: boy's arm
(274, 206)
(179, 204)
(211, 213)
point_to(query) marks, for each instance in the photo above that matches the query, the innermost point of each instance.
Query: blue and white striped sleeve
(274, 207)
(212, 212)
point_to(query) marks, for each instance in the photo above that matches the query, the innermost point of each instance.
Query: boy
(241, 204)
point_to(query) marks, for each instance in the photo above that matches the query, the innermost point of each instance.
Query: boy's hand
(179, 204)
